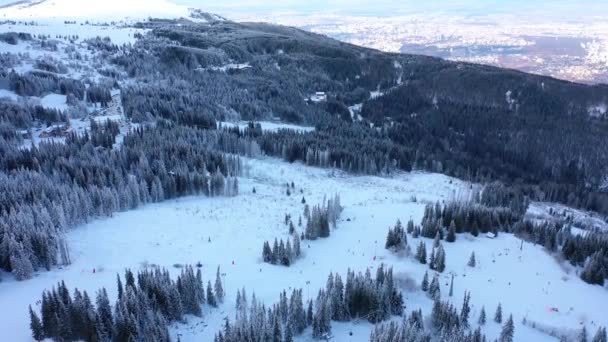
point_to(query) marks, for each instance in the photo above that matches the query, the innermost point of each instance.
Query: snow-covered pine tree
(424, 286)
(440, 259)
(466, 309)
(583, 336)
(421, 252)
(498, 314)
(600, 335)
(482, 316)
(434, 288)
(36, 326)
(451, 237)
(296, 246)
(472, 262)
(508, 331)
(219, 289)
(210, 296)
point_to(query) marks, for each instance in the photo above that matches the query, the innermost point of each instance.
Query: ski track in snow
(527, 282)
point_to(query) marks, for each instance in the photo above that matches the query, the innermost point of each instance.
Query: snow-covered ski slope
(229, 232)
(92, 9)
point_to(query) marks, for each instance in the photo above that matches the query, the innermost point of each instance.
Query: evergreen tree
(421, 253)
(437, 240)
(425, 282)
(498, 314)
(296, 246)
(119, 286)
(472, 262)
(36, 326)
(482, 316)
(219, 290)
(309, 314)
(434, 289)
(432, 260)
(508, 330)
(466, 309)
(583, 335)
(451, 237)
(211, 296)
(440, 259)
(410, 227)
(600, 335)
(288, 334)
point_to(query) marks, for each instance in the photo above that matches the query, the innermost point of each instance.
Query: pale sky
(562, 8)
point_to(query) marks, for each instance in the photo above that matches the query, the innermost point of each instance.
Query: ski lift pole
(308, 289)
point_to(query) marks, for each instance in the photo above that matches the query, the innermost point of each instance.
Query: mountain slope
(92, 9)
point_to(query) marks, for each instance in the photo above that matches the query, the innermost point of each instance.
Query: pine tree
(119, 285)
(466, 309)
(288, 334)
(498, 314)
(292, 228)
(266, 252)
(451, 237)
(434, 289)
(105, 321)
(437, 240)
(410, 227)
(583, 335)
(421, 253)
(309, 313)
(472, 262)
(440, 259)
(36, 326)
(508, 330)
(219, 290)
(475, 229)
(210, 296)
(482, 316)
(296, 246)
(600, 335)
(425, 282)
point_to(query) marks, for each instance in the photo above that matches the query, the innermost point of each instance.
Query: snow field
(527, 282)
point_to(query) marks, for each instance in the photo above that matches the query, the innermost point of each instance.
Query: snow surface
(54, 101)
(8, 94)
(268, 126)
(96, 9)
(583, 220)
(528, 282)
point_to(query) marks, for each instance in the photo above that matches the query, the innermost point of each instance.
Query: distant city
(563, 39)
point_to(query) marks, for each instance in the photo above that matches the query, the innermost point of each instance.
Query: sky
(562, 8)
(575, 9)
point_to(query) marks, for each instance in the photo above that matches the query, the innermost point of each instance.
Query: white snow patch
(580, 219)
(269, 126)
(8, 94)
(96, 9)
(229, 66)
(597, 110)
(55, 101)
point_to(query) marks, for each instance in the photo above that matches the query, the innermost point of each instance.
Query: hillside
(142, 156)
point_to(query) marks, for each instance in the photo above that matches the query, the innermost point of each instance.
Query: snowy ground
(580, 219)
(268, 126)
(529, 282)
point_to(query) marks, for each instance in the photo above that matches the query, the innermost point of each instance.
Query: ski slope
(229, 232)
(93, 10)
